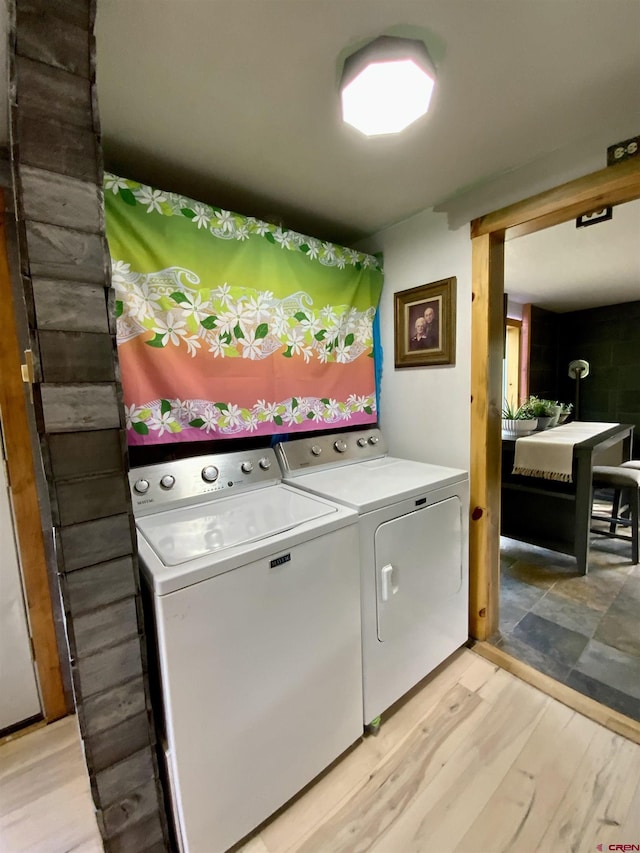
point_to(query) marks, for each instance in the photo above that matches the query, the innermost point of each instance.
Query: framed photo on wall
(425, 324)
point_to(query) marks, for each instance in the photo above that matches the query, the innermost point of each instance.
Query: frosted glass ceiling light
(387, 85)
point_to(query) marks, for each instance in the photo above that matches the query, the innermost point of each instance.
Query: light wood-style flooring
(45, 800)
(474, 761)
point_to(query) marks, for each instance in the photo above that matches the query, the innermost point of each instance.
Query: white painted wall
(424, 411)
(514, 309)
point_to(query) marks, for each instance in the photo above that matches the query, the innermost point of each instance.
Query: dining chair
(624, 480)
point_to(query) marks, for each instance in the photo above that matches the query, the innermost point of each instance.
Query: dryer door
(418, 567)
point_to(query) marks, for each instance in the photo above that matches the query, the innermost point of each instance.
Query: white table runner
(549, 454)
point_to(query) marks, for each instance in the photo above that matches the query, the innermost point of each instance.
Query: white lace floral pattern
(231, 321)
(225, 419)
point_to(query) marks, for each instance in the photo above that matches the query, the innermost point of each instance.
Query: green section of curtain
(220, 313)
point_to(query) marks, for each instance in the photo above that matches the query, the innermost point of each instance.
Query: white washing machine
(254, 589)
(413, 551)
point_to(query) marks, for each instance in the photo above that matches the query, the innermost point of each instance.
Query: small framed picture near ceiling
(594, 217)
(425, 324)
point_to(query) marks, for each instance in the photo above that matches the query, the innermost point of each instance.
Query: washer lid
(366, 486)
(180, 535)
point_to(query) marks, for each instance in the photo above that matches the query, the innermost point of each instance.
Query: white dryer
(254, 590)
(413, 552)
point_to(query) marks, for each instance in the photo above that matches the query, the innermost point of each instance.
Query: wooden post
(486, 406)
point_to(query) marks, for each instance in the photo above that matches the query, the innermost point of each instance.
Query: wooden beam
(486, 407)
(613, 185)
(24, 499)
(568, 213)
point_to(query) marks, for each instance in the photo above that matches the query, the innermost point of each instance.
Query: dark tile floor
(583, 630)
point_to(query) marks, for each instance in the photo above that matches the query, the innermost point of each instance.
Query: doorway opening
(613, 185)
(511, 370)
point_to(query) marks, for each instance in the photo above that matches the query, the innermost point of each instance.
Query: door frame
(510, 323)
(24, 500)
(613, 185)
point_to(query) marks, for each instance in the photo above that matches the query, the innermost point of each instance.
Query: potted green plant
(556, 409)
(517, 420)
(567, 408)
(544, 410)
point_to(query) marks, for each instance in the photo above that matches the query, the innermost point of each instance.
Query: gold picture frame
(425, 324)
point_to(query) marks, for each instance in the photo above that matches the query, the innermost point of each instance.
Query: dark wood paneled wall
(57, 174)
(609, 339)
(543, 353)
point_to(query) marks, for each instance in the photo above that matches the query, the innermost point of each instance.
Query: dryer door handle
(387, 586)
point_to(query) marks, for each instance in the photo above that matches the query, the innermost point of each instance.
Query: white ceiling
(235, 102)
(565, 268)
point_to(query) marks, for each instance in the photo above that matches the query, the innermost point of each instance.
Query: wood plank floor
(474, 761)
(45, 800)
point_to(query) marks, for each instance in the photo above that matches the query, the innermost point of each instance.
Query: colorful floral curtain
(230, 327)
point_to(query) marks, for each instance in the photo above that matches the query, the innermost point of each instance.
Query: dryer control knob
(141, 487)
(247, 467)
(362, 442)
(373, 439)
(167, 481)
(316, 450)
(340, 445)
(210, 474)
(265, 463)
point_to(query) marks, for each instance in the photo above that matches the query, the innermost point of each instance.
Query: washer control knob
(316, 450)
(362, 442)
(167, 481)
(247, 467)
(340, 445)
(373, 439)
(141, 487)
(265, 463)
(210, 474)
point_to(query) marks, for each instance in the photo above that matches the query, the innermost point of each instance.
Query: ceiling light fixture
(387, 85)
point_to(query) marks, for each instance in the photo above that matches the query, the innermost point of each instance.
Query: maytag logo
(145, 501)
(280, 560)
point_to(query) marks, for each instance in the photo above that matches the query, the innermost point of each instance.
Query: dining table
(546, 484)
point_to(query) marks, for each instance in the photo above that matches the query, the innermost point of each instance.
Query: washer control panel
(301, 454)
(187, 481)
